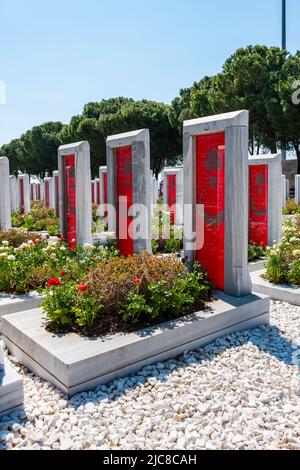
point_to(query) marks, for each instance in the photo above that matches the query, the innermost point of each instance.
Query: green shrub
(136, 289)
(256, 252)
(40, 219)
(291, 208)
(15, 238)
(282, 264)
(293, 276)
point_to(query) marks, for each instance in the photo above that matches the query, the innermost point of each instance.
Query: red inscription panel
(31, 192)
(98, 193)
(38, 190)
(105, 188)
(210, 191)
(47, 194)
(258, 204)
(56, 182)
(171, 185)
(22, 208)
(70, 198)
(124, 189)
(93, 192)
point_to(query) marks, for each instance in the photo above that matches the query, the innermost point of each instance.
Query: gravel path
(240, 392)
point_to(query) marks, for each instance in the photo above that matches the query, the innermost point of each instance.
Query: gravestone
(173, 194)
(103, 191)
(11, 386)
(5, 205)
(56, 192)
(265, 214)
(129, 191)
(42, 187)
(24, 194)
(75, 209)
(284, 190)
(216, 184)
(97, 191)
(297, 189)
(49, 192)
(38, 191)
(14, 194)
(154, 190)
(94, 189)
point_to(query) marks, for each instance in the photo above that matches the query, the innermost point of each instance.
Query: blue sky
(58, 55)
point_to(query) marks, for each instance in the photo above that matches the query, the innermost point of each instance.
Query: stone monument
(75, 209)
(216, 184)
(129, 191)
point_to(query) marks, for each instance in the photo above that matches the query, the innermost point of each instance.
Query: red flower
(82, 287)
(138, 280)
(63, 239)
(47, 236)
(54, 282)
(58, 235)
(33, 240)
(63, 273)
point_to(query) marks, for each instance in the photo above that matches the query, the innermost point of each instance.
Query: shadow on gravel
(268, 339)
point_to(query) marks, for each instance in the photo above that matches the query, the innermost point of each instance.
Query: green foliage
(135, 289)
(161, 300)
(135, 306)
(27, 264)
(39, 219)
(283, 260)
(294, 272)
(291, 208)
(256, 252)
(15, 238)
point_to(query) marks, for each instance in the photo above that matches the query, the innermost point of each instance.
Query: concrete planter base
(75, 364)
(11, 389)
(18, 303)
(256, 265)
(282, 292)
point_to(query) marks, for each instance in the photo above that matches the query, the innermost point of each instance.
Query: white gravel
(240, 392)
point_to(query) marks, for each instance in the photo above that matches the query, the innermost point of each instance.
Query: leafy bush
(120, 292)
(15, 238)
(256, 252)
(291, 208)
(29, 265)
(40, 219)
(283, 260)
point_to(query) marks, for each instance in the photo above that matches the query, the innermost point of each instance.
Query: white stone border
(274, 195)
(236, 128)
(281, 292)
(75, 364)
(10, 304)
(11, 389)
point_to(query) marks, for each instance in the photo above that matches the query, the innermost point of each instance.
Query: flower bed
(125, 295)
(27, 263)
(283, 260)
(40, 219)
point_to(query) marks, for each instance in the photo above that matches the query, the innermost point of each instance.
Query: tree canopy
(258, 78)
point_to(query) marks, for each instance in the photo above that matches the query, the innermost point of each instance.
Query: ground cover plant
(40, 219)
(283, 259)
(125, 294)
(27, 263)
